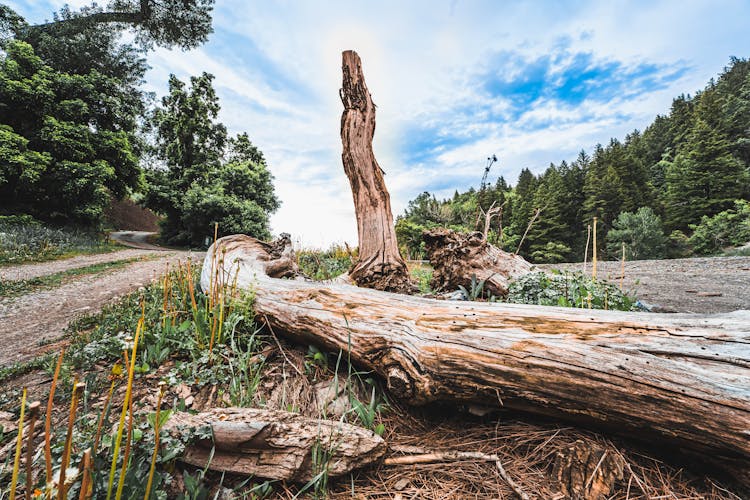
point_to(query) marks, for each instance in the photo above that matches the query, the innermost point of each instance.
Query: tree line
(77, 127)
(679, 187)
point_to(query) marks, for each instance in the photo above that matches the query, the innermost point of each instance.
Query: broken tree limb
(276, 444)
(453, 456)
(380, 265)
(679, 380)
(457, 257)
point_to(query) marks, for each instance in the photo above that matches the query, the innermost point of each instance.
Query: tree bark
(457, 257)
(276, 444)
(681, 380)
(380, 265)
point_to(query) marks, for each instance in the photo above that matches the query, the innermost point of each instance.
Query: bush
(326, 265)
(24, 239)
(568, 290)
(203, 206)
(642, 234)
(725, 229)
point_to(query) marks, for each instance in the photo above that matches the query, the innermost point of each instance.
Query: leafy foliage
(206, 178)
(68, 139)
(166, 23)
(641, 232)
(725, 229)
(568, 290)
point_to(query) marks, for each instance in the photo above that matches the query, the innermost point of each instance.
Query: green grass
(21, 368)
(10, 289)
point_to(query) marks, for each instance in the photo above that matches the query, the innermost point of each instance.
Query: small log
(457, 257)
(380, 265)
(680, 380)
(276, 444)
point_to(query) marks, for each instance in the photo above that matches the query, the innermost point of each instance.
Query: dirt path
(698, 285)
(28, 271)
(135, 239)
(41, 317)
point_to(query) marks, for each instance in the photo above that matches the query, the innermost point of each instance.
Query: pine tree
(704, 179)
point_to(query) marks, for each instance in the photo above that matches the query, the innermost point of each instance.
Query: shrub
(553, 253)
(568, 290)
(326, 265)
(727, 228)
(24, 239)
(679, 245)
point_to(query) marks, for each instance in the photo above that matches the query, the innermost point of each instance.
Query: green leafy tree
(167, 23)
(206, 178)
(67, 138)
(704, 179)
(642, 234)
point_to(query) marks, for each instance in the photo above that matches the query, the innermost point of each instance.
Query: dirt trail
(41, 317)
(696, 285)
(28, 271)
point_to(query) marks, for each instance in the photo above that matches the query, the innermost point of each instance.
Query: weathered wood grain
(681, 380)
(379, 265)
(276, 444)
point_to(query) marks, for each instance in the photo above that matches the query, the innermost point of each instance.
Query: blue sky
(454, 81)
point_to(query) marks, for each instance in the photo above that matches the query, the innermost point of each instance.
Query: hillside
(690, 163)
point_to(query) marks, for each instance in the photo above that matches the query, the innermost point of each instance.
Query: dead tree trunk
(457, 257)
(380, 265)
(681, 380)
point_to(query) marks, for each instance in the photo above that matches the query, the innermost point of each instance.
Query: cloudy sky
(454, 81)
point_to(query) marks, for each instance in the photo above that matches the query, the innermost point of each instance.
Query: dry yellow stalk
(48, 419)
(77, 390)
(19, 443)
(33, 415)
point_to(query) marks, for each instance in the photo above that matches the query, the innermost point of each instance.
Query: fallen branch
(451, 456)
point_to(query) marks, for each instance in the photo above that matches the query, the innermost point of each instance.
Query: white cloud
(277, 67)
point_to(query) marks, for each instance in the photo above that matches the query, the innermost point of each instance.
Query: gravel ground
(28, 271)
(697, 285)
(34, 319)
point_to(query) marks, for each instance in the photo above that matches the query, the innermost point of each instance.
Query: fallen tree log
(275, 444)
(681, 380)
(458, 257)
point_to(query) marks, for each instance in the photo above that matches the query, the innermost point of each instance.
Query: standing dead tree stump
(380, 265)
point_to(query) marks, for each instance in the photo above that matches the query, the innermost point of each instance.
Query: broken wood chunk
(276, 444)
(587, 471)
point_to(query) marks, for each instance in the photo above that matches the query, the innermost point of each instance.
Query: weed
(476, 289)
(422, 275)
